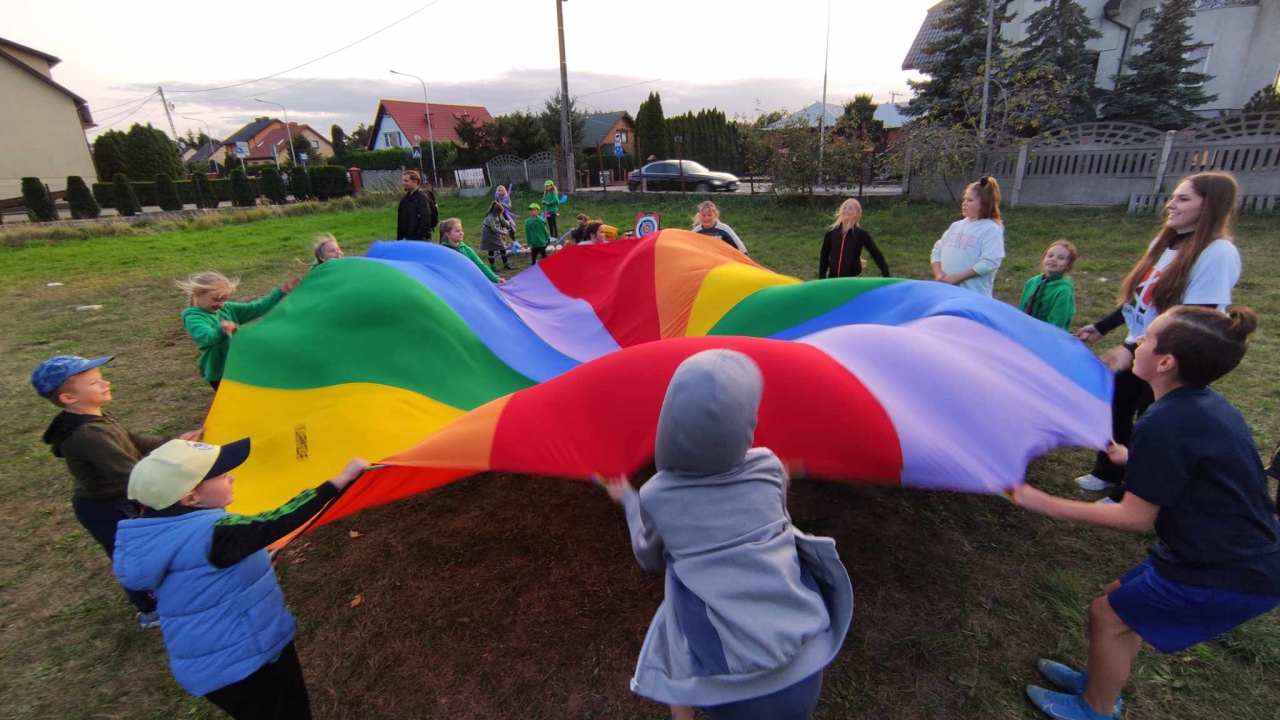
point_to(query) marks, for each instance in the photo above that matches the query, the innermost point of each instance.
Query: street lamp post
(208, 134)
(288, 129)
(431, 138)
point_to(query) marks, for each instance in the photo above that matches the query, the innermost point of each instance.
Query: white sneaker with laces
(1093, 483)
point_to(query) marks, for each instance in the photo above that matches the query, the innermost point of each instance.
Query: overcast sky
(742, 56)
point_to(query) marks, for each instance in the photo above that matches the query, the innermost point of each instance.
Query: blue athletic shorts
(1172, 616)
(796, 702)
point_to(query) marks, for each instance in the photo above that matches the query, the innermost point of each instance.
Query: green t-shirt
(206, 329)
(537, 232)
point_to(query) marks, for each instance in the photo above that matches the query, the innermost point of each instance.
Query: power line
(309, 62)
(624, 87)
(113, 107)
(128, 115)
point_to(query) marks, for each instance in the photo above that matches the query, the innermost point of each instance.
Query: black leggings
(276, 691)
(504, 257)
(534, 252)
(1132, 397)
(551, 225)
(100, 518)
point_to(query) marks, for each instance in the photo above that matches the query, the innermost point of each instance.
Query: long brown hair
(1219, 191)
(988, 192)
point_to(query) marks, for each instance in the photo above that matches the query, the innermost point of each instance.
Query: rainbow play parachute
(411, 355)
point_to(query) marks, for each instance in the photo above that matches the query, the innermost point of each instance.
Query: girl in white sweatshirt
(970, 251)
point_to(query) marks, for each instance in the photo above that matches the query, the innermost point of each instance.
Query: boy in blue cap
(99, 451)
(229, 636)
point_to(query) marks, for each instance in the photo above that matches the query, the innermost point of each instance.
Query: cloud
(348, 102)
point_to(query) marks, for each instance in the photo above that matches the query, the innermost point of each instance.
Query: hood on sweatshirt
(709, 414)
(145, 547)
(65, 423)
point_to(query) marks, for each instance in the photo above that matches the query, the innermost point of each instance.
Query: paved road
(766, 188)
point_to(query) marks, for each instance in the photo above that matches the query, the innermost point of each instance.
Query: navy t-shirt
(1193, 455)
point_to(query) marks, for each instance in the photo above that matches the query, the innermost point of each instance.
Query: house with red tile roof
(266, 133)
(403, 124)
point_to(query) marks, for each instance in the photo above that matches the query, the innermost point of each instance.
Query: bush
(272, 186)
(166, 196)
(241, 191)
(202, 192)
(36, 198)
(330, 181)
(300, 183)
(83, 206)
(386, 159)
(126, 200)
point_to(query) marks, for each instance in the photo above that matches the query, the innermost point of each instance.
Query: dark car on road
(665, 175)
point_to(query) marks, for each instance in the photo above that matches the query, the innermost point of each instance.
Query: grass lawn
(517, 597)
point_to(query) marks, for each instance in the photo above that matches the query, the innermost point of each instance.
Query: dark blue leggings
(100, 518)
(796, 702)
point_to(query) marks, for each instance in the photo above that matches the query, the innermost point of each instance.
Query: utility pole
(822, 122)
(566, 136)
(172, 128)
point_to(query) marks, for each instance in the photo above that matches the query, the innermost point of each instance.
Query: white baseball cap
(172, 470)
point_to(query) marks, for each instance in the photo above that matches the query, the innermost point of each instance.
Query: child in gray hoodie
(754, 609)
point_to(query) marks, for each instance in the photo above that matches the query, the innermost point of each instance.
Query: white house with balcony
(1238, 42)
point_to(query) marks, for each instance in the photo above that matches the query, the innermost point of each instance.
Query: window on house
(315, 144)
(622, 136)
(1201, 57)
(392, 139)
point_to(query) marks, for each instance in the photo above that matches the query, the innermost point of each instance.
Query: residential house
(601, 130)
(399, 123)
(888, 113)
(42, 123)
(215, 152)
(1236, 42)
(268, 142)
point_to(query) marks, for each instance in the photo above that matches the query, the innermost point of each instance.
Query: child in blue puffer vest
(226, 629)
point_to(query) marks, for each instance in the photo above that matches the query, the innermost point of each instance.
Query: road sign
(647, 223)
(242, 150)
(617, 150)
(303, 157)
(417, 152)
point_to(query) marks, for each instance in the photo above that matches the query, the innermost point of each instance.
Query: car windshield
(693, 167)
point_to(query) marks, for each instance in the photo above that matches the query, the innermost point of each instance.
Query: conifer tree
(952, 60)
(35, 196)
(652, 134)
(1055, 51)
(166, 195)
(272, 185)
(203, 191)
(126, 199)
(241, 190)
(1265, 100)
(83, 205)
(109, 154)
(1162, 90)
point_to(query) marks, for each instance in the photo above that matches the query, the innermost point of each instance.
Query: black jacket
(413, 220)
(842, 253)
(99, 451)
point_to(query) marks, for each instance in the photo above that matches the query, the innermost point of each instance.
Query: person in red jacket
(842, 245)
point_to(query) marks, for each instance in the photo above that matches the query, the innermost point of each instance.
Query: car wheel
(703, 188)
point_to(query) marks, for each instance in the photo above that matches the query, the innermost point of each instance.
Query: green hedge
(330, 181)
(146, 191)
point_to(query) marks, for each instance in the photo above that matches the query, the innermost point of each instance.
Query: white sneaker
(1106, 501)
(1092, 483)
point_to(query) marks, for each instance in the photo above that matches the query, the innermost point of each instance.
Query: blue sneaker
(1073, 681)
(1064, 706)
(149, 620)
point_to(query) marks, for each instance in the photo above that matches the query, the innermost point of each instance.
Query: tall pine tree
(953, 59)
(109, 154)
(1162, 90)
(652, 136)
(1055, 56)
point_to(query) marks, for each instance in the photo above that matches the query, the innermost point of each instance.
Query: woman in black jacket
(842, 245)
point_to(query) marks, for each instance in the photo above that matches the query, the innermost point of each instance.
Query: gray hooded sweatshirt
(752, 604)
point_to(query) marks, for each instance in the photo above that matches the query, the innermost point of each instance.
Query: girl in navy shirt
(1195, 477)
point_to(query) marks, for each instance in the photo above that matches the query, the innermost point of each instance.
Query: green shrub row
(105, 194)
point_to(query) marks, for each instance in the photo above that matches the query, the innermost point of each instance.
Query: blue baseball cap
(51, 373)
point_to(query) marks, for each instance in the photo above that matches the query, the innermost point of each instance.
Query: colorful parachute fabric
(409, 354)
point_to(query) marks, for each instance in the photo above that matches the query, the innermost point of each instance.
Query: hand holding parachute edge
(618, 487)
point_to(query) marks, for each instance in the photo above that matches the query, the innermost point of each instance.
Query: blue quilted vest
(219, 625)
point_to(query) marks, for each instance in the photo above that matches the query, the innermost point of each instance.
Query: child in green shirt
(212, 320)
(551, 202)
(1051, 296)
(451, 235)
(537, 233)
